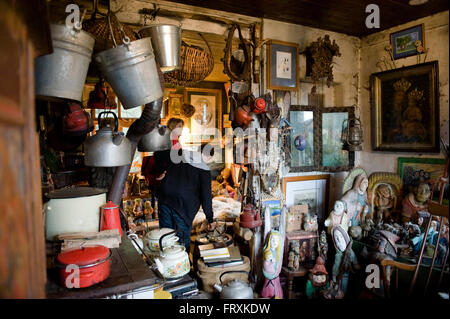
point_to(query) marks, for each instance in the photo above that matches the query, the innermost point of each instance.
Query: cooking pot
(92, 262)
(151, 240)
(108, 148)
(75, 209)
(173, 261)
(157, 140)
(235, 289)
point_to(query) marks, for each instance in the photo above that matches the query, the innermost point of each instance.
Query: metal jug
(166, 41)
(235, 289)
(131, 71)
(62, 73)
(108, 147)
(157, 140)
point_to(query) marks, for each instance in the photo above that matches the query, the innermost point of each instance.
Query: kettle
(108, 147)
(235, 289)
(157, 140)
(173, 262)
(110, 218)
(250, 218)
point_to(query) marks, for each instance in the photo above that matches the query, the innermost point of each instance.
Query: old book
(235, 254)
(215, 252)
(224, 264)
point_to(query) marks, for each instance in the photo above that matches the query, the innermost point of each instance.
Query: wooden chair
(387, 280)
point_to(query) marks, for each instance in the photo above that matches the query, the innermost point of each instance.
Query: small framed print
(406, 42)
(175, 103)
(282, 65)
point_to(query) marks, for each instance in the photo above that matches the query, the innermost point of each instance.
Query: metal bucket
(166, 41)
(131, 71)
(62, 74)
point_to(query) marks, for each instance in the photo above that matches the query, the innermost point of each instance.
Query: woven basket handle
(207, 44)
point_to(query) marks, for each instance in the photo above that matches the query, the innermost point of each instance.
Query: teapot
(235, 289)
(151, 240)
(250, 218)
(157, 140)
(173, 261)
(108, 147)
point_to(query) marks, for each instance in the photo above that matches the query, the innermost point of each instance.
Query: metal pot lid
(157, 233)
(89, 255)
(236, 283)
(74, 192)
(173, 250)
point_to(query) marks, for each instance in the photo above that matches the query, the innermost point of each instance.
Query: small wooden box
(309, 251)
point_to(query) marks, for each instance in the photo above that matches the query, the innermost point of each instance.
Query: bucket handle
(126, 40)
(78, 26)
(116, 121)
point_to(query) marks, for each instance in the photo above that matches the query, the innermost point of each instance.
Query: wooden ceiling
(343, 16)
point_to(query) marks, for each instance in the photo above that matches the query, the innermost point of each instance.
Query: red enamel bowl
(84, 267)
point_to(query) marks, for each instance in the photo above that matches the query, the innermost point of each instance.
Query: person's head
(176, 126)
(339, 207)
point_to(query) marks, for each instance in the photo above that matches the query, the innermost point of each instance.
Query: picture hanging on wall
(282, 65)
(415, 170)
(302, 143)
(311, 190)
(207, 119)
(333, 156)
(406, 42)
(405, 109)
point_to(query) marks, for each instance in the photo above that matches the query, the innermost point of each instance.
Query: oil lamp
(352, 135)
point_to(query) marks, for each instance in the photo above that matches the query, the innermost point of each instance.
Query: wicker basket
(195, 65)
(99, 28)
(209, 275)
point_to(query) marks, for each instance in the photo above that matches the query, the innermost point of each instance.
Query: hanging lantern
(352, 135)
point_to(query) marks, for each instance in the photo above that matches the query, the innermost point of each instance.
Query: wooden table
(290, 275)
(128, 273)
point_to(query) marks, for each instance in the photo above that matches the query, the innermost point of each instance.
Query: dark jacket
(185, 188)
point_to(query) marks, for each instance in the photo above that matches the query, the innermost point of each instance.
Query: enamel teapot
(235, 289)
(108, 147)
(151, 240)
(173, 261)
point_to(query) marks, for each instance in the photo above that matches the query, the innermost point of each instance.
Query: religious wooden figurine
(356, 201)
(317, 279)
(345, 259)
(294, 250)
(273, 255)
(414, 204)
(338, 216)
(323, 245)
(384, 202)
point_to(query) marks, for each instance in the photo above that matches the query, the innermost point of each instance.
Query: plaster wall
(372, 49)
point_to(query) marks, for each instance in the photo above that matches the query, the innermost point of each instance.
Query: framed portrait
(311, 190)
(415, 170)
(405, 42)
(302, 143)
(275, 206)
(405, 109)
(304, 244)
(175, 103)
(282, 65)
(207, 119)
(333, 156)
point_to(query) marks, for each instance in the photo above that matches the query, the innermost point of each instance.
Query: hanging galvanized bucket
(62, 74)
(131, 71)
(166, 41)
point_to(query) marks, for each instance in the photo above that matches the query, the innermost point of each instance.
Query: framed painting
(275, 206)
(207, 119)
(175, 103)
(405, 109)
(311, 190)
(282, 65)
(302, 143)
(405, 42)
(333, 156)
(415, 170)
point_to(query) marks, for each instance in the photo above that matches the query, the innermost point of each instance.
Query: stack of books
(220, 257)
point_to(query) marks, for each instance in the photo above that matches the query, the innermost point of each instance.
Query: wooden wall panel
(22, 243)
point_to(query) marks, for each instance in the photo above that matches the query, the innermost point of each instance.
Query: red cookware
(250, 218)
(92, 263)
(78, 121)
(110, 218)
(259, 106)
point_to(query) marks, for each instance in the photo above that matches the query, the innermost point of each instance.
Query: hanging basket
(99, 28)
(195, 65)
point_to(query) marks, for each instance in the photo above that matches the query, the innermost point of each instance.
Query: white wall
(342, 93)
(372, 49)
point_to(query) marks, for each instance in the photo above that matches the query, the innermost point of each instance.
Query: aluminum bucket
(131, 72)
(62, 74)
(166, 41)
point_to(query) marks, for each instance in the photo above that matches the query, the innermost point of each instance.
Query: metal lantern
(352, 135)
